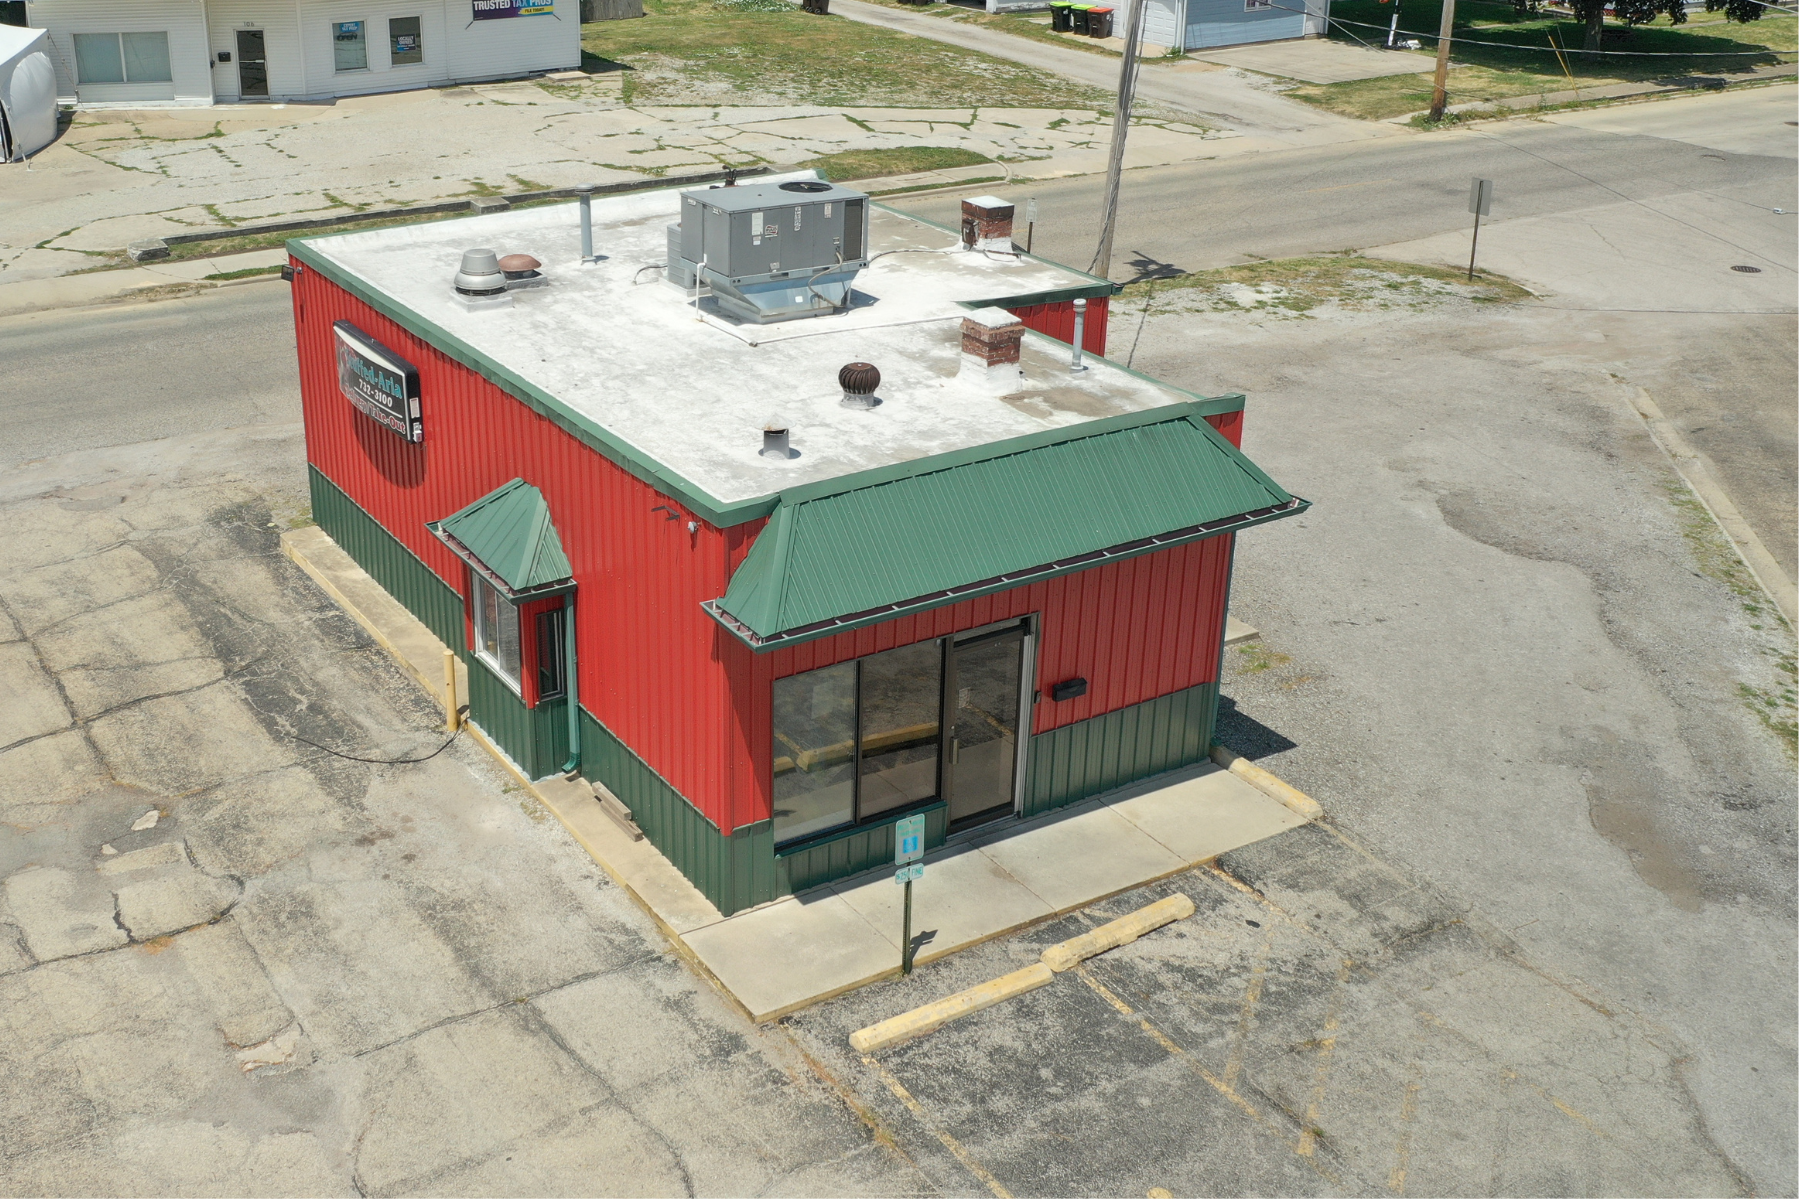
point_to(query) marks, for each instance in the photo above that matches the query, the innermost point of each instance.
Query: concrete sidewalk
(781, 957)
(98, 287)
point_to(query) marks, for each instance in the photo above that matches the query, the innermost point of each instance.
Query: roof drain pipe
(586, 193)
(569, 688)
(1075, 363)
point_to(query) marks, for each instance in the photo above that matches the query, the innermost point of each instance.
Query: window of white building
(122, 58)
(350, 45)
(404, 44)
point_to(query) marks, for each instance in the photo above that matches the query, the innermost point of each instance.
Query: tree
(1640, 12)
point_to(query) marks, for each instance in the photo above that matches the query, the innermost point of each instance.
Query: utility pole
(1438, 93)
(1128, 69)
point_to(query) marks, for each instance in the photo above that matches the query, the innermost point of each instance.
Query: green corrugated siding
(535, 738)
(1116, 748)
(1104, 485)
(734, 871)
(853, 852)
(388, 562)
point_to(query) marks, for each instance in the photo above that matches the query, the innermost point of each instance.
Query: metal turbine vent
(859, 381)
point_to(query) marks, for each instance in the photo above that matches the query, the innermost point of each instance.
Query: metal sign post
(909, 851)
(1481, 200)
(1030, 221)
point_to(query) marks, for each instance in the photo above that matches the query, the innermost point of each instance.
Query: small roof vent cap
(775, 440)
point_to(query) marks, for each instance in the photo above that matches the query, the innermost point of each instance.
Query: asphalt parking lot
(1558, 836)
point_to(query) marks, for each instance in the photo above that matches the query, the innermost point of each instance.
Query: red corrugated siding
(1230, 424)
(1134, 629)
(691, 700)
(1058, 320)
(648, 657)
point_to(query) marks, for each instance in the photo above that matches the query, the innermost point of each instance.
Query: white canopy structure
(27, 92)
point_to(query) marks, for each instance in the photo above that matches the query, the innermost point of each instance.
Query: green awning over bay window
(508, 535)
(865, 548)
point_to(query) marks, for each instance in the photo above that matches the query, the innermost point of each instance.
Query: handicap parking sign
(909, 839)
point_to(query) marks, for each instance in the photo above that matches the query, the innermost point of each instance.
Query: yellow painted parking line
(1322, 1069)
(1409, 1108)
(1252, 995)
(943, 1135)
(1188, 1060)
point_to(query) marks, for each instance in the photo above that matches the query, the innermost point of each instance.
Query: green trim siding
(853, 851)
(740, 870)
(1119, 747)
(387, 560)
(733, 871)
(535, 738)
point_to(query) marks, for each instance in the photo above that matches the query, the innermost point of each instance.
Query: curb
(1694, 472)
(1267, 783)
(928, 1017)
(1122, 932)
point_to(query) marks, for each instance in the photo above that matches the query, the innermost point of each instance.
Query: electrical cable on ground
(386, 762)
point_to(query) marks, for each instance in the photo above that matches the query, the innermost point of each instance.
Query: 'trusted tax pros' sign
(378, 381)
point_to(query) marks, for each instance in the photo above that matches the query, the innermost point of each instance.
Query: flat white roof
(692, 391)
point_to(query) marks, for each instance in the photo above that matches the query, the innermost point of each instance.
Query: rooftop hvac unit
(774, 251)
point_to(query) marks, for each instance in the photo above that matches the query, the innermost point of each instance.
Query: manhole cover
(1748, 270)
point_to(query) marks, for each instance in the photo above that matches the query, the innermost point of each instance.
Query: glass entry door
(252, 64)
(984, 686)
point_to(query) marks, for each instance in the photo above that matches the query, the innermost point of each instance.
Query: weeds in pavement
(1296, 287)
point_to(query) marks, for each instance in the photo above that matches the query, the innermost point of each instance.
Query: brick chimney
(987, 223)
(990, 348)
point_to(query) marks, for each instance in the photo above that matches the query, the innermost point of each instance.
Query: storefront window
(404, 45)
(496, 630)
(349, 45)
(857, 739)
(902, 691)
(122, 58)
(815, 751)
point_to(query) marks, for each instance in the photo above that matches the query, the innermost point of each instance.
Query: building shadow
(1245, 734)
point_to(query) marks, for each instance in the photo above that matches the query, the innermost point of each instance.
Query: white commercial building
(133, 53)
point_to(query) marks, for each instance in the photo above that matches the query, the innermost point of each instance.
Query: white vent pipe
(1075, 363)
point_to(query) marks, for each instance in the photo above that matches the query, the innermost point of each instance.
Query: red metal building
(771, 610)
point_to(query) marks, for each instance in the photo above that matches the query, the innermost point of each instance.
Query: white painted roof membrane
(693, 390)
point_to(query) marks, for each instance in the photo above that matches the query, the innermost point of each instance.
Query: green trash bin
(1078, 18)
(1100, 21)
(1059, 16)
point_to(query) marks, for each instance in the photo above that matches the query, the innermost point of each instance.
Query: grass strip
(748, 52)
(899, 160)
(1500, 72)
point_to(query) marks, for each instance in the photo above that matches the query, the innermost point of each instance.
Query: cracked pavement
(119, 175)
(1543, 944)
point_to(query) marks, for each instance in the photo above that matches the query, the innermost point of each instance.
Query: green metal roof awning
(850, 552)
(509, 537)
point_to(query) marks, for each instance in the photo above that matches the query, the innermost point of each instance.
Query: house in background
(1186, 25)
(133, 53)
